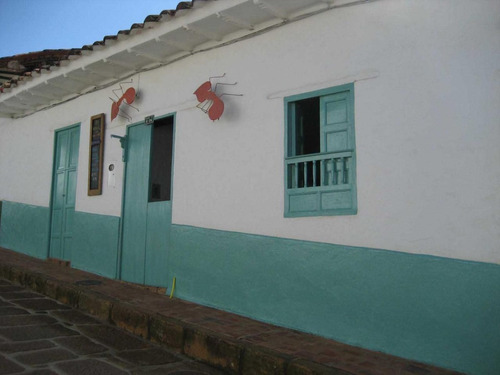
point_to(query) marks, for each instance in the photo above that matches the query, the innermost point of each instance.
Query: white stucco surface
(427, 86)
(426, 129)
(27, 151)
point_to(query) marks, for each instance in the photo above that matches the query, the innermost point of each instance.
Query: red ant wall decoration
(209, 101)
(128, 97)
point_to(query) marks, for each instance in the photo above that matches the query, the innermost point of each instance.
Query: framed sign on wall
(96, 152)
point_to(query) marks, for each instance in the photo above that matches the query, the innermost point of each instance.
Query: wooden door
(64, 192)
(147, 207)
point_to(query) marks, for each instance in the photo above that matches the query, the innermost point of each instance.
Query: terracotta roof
(20, 67)
(12, 68)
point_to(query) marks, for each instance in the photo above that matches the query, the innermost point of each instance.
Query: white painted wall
(427, 87)
(25, 161)
(27, 152)
(427, 129)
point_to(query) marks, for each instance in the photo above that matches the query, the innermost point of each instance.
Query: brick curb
(226, 354)
(232, 355)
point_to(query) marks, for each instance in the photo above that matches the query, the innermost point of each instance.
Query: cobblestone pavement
(40, 336)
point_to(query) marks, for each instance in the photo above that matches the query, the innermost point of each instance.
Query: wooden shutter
(337, 136)
(336, 123)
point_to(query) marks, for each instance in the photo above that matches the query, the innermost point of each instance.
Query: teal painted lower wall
(25, 228)
(435, 310)
(95, 243)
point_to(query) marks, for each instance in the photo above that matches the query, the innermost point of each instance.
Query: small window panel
(96, 153)
(161, 160)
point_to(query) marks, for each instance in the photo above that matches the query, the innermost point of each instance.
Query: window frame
(96, 160)
(290, 146)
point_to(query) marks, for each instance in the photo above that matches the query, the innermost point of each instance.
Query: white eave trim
(209, 24)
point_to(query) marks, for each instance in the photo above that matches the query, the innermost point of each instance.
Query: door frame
(52, 174)
(118, 267)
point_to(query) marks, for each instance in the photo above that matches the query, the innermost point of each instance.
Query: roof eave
(192, 28)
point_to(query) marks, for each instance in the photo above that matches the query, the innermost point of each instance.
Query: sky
(35, 25)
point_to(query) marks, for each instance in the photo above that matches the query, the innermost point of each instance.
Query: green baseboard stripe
(440, 311)
(25, 228)
(95, 243)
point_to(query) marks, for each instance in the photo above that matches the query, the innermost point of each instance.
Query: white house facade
(347, 186)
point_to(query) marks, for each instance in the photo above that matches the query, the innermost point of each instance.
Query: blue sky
(35, 25)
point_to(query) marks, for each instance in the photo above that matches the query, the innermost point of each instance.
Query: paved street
(41, 336)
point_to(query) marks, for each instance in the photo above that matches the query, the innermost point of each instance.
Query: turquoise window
(320, 155)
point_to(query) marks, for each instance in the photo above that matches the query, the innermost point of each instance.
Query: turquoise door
(64, 192)
(147, 207)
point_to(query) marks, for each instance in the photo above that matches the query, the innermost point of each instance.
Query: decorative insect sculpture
(210, 102)
(127, 96)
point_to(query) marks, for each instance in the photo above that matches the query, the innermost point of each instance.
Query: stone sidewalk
(228, 342)
(40, 336)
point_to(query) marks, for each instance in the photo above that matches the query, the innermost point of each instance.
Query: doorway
(147, 206)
